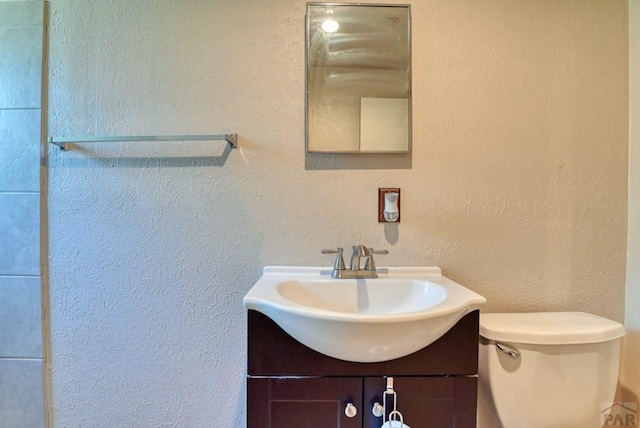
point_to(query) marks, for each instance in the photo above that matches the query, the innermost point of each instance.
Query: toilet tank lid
(549, 328)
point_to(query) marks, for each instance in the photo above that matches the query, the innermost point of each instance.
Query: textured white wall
(630, 376)
(516, 186)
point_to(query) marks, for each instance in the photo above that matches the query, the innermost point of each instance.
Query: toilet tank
(555, 369)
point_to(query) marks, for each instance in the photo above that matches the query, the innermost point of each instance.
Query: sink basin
(362, 320)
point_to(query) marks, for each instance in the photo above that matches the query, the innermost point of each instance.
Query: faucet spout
(358, 251)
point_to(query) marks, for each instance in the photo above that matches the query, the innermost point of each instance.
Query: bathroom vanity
(290, 385)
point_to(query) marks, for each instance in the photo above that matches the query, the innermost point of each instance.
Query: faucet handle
(372, 251)
(371, 264)
(339, 263)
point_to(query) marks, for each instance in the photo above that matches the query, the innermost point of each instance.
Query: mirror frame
(409, 76)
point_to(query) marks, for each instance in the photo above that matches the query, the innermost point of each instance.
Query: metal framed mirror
(358, 78)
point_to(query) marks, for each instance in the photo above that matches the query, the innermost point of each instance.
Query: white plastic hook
(388, 391)
(396, 419)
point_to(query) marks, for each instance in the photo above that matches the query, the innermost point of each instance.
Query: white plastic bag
(395, 424)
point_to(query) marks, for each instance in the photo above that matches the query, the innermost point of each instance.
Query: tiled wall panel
(21, 394)
(21, 344)
(21, 14)
(20, 232)
(20, 67)
(21, 54)
(20, 317)
(20, 150)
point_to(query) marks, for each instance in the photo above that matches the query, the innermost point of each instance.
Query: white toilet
(546, 369)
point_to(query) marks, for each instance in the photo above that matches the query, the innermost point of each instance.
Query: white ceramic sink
(362, 320)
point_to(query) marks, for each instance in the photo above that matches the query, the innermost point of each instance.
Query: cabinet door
(442, 402)
(303, 402)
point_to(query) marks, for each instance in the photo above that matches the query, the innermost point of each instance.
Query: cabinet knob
(350, 411)
(377, 410)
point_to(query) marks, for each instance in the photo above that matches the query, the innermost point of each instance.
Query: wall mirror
(358, 78)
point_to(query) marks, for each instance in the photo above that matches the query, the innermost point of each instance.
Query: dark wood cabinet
(292, 386)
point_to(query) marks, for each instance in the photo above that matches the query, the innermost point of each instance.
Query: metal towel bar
(61, 142)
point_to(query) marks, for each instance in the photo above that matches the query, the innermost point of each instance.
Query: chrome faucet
(354, 271)
(358, 251)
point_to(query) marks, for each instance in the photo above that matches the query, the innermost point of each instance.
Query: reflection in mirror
(358, 78)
